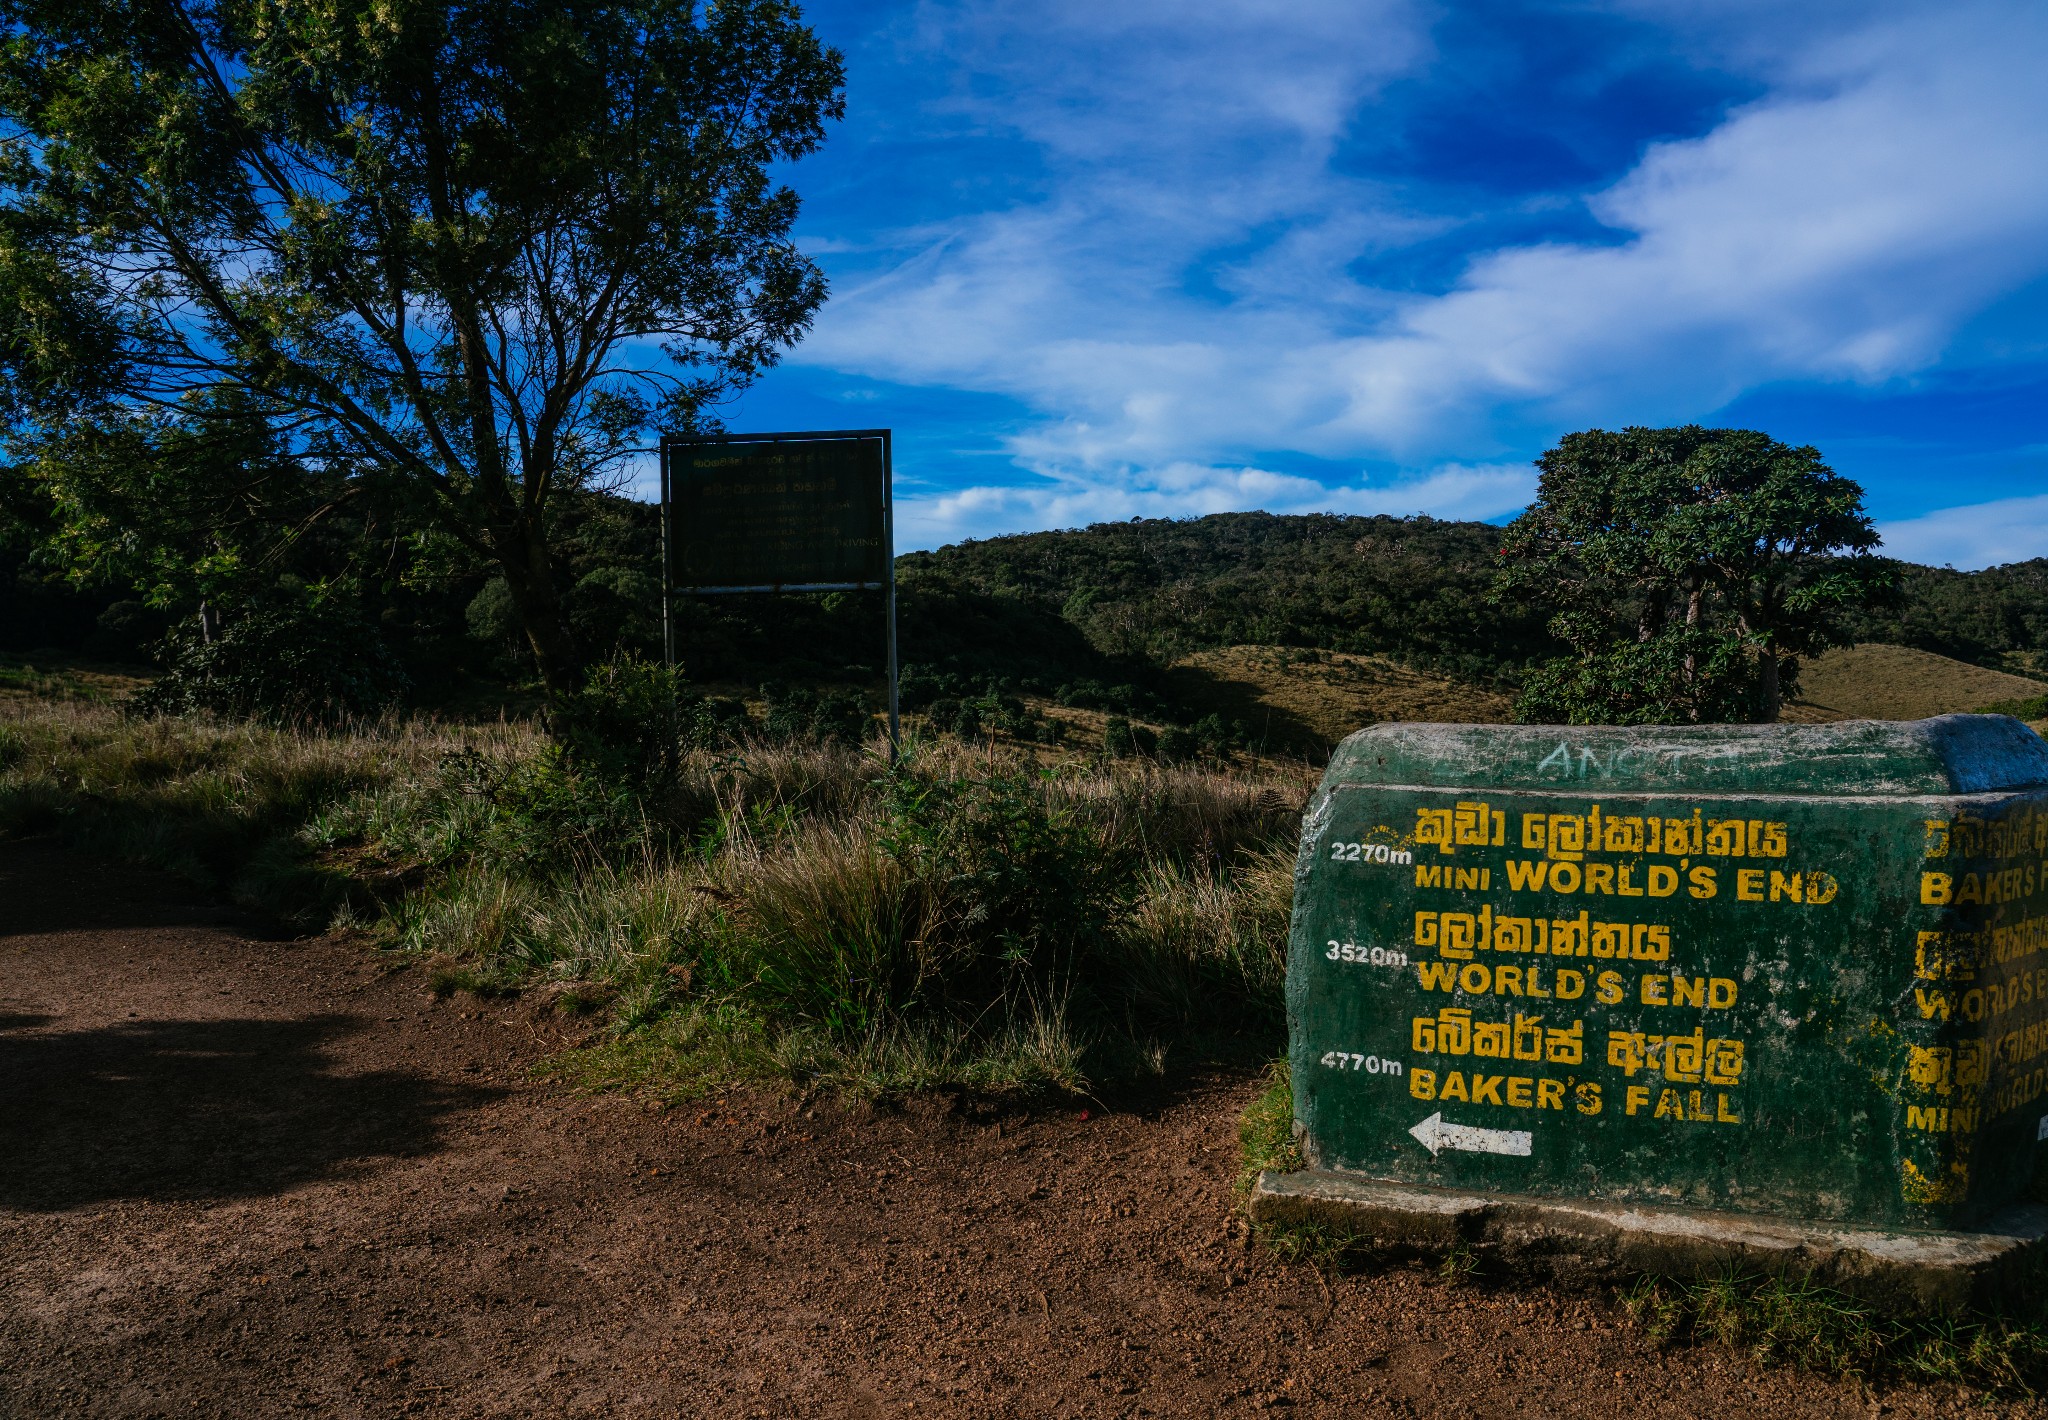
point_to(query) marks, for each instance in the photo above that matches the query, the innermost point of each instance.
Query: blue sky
(1099, 258)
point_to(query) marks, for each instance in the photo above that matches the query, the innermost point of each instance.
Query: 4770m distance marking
(1364, 1064)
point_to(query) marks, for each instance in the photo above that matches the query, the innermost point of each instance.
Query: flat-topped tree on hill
(1689, 569)
(433, 242)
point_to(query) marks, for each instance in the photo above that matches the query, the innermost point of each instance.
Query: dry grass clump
(794, 909)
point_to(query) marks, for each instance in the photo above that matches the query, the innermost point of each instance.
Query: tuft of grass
(1266, 1141)
(1793, 1321)
(1265, 1131)
(1460, 1264)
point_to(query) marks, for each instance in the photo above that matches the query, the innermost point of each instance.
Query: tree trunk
(1695, 595)
(1768, 703)
(528, 565)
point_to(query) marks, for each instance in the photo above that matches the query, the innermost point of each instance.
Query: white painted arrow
(1435, 1135)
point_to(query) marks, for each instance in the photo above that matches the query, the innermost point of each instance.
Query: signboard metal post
(792, 512)
(668, 572)
(889, 597)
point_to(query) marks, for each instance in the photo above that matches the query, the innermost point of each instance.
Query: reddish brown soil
(242, 1177)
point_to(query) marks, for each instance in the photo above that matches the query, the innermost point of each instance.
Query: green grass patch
(1265, 1132)
(2032, 708)
(1795, 1322)
(1267, 1142)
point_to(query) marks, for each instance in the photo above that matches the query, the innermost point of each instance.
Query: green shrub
(1265, 1131)
(1679, 676)
(545, 811)
(991, 710)
(1024, 885)
(314, 661)
(1219, 737)
(2033, 707)
(1119, 741)
(834, 716)
(626, 725)
(1177, 746)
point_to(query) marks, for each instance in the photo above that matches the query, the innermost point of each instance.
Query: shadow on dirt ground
(200, 1109)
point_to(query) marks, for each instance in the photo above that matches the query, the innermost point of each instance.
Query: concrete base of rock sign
(1583, 1241)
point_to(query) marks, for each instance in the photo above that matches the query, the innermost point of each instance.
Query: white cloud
(1141, 84)
(1186, 490)
(1981, 535)
(1842, 228)
(1845, 236)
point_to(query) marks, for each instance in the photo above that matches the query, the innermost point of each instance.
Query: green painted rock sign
(1794, 970)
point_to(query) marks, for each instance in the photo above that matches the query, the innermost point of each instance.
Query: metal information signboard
(1789, 970)
(798, 512)
(779, 512)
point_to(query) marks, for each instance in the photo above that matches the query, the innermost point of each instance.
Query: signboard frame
(671, 444)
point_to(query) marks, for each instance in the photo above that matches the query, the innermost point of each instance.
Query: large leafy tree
(1689, 569)
(480, 247)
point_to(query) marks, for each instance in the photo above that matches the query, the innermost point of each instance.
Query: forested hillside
(1150, 591)
(1989, 617)
(1091, 616)
(1414, 588)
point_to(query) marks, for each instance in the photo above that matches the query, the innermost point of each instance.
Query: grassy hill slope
(1305, 701)
(1308, 700)
(1878, 682)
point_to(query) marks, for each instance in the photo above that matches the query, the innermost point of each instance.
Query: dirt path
(249, 1178)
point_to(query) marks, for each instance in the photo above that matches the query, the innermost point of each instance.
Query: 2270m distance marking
(1369, 853)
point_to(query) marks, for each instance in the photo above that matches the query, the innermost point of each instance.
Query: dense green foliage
(312, 661)
(1990, 617)
(438, 613)
(1051, 614)
(1688, 570)
(257, 256)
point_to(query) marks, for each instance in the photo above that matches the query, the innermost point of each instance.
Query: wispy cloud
(1981, 535)
(1839, 235)
(1191, 278)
